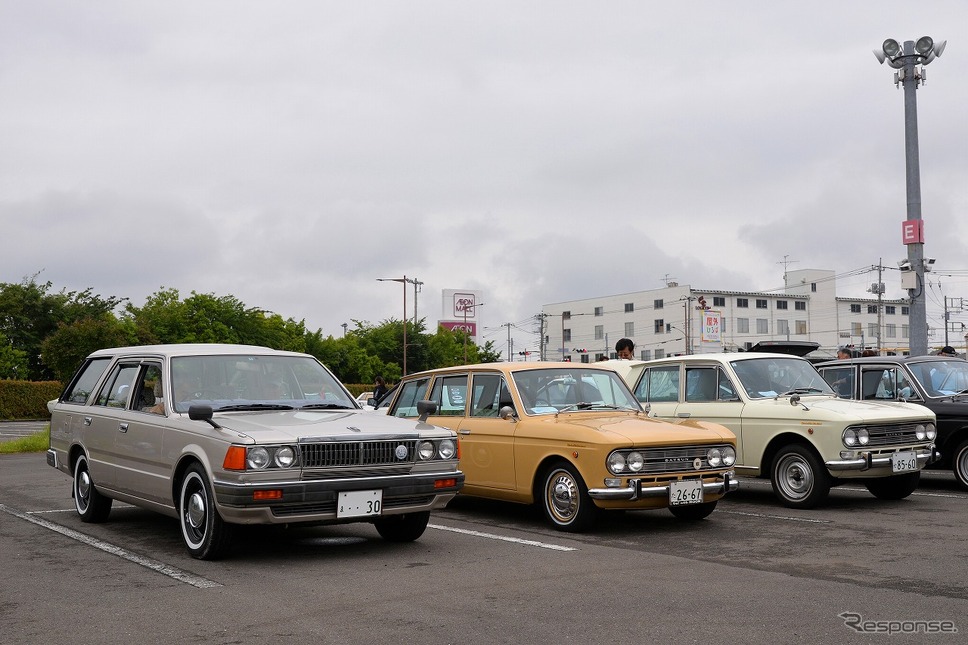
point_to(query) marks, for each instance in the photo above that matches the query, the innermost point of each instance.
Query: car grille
(356, 453)
(889, 435)
(677, 460)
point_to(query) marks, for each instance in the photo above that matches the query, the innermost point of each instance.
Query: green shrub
(27, 399)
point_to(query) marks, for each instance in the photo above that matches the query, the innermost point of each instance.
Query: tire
(693, 512)
(91, 505)
(895, 486)
(799, 479)
(959, 465)
(565, 500)
(205, 533)
(403, 528)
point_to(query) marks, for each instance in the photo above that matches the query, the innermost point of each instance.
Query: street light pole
(403, 280)
(905, 61)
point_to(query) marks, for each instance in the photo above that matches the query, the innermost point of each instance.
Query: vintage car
(937, 382)
(790, 426)
(221, 435)
(572, 439)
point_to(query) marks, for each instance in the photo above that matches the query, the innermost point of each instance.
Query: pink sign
(912, 231)
(470, 328)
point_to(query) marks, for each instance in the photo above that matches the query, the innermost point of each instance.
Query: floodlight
(904, 265)
(879, 55)
(940, 47)
(924, 45)
(891, 48)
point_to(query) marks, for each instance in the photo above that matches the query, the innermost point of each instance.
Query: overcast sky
(291, 153)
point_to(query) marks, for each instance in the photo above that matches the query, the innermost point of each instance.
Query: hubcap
(83, 485)
(564, 497)
(196, 510)
(796, 477)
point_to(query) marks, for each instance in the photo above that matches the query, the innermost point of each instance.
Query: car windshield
(769, 377)
(941, 377)
(547, 391)
(255, 382)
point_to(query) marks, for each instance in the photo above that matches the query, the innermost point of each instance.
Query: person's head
(843, 352)
(947, 350)
(379, 381)
(625, 348)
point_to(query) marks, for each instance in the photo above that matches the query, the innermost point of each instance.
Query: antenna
(786, 263)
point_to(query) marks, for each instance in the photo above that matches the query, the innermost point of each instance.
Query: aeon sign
(464, 305)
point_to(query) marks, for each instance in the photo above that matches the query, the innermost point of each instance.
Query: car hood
(323, 425)
(833, 408)
(646, 431)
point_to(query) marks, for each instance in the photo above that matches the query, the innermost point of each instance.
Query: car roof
(870, 360)
(509, 367)
(191, 349)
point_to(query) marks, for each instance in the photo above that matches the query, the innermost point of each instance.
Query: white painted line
(503, 538)
(154, 565)
(775, 517)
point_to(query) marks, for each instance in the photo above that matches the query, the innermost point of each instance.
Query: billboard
(461, 309)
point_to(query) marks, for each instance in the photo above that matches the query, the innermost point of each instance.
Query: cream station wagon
(572, 439)
(790, 425)
(222, 435)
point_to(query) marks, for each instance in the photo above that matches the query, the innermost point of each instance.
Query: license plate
(902, 462)
(359, 503)
(688, 491)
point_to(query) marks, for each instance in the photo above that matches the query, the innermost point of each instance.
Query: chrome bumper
(866, 460)
(635, 490)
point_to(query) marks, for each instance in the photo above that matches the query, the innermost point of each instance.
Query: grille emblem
(697, 463)
(401, 452)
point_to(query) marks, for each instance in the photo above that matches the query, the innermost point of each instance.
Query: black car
(940, 383)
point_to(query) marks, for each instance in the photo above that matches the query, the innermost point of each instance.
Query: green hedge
(27, 399)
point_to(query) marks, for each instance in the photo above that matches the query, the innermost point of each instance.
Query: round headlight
(931, 431)
(729, 456)
(616, 462)
(257, 458)
(426, 450)
(285, 457)
(635, 461)
(447, 449)
(715, 457)
(863, 436)
(850, 437)
(920, 432)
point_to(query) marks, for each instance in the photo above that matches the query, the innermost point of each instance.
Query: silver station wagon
(223, 435)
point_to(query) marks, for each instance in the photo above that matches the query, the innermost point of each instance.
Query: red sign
(912, 231)
(470, 328)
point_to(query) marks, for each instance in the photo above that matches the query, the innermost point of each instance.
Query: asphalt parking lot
(486, 572)
(10, 430)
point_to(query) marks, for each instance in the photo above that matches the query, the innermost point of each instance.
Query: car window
(659, 385)
(941, 378)
(450, 395)
(151, 397)
(117, 388)
(410, 392)
(877, 383)
(80, 389)
(769, 377)
(489, 393)
(550, 390)
(840, 379)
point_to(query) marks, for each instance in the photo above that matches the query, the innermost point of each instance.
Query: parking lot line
(154, 565)
(503, 538)
(788, 518)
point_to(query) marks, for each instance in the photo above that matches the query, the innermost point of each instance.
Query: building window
(761, 304)
(629, 329)
(659, 326)
(584, 358)
(872, 309)
(782, 304)
(872, 330)
(566, 335)
(890, 330)
(599, 311)
(566, 315)
(890, 309)
(599, 332)
(813, 287)
(660, 353)
(856, 329)
(855, 308)
(657, 304)
(801, 327)
(905, 331)
(800, 305)
(646, 354)
(905, 310)
(742, 302)
(762, 326)
(629, 307)
(719, 301)
(742, 325)
(783, 327)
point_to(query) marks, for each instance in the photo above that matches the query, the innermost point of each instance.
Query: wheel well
(539, 474)
(782, 441)
(75, 452)
(951, 442)
(176, 478)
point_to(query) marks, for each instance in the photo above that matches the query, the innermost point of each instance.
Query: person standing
(379, 389)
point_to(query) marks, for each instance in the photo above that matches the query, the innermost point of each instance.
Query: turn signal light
(445, 483)
(261, 495)
(234, 458)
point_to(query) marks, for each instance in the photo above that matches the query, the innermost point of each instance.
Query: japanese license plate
(688, 491)
(902, 462)
(359, 503)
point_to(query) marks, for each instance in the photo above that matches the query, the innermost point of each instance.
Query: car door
(709, 394)
(487, 440)
(105, 419)
(659, 388)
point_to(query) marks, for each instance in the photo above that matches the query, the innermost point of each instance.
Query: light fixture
(924, 45)
(891, 48)
(904, 265)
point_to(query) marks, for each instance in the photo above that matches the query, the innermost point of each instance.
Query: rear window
(79, 391)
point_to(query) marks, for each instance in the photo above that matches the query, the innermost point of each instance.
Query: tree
(63, 350)
(13, 361)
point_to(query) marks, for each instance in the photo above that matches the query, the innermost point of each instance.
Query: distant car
(572, 439)
(939, 383)
(790, 426)
(220, 435)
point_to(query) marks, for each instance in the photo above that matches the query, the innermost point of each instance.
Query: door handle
(464, 431)
(683, 415)
(123, 427)
(87, 421)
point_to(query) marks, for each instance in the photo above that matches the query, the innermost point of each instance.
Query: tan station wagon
(572, 439)
(221, 435)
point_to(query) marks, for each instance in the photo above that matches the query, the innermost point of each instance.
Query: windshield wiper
(253, 406)
(325, 406)
(584, 405)
(801, 390)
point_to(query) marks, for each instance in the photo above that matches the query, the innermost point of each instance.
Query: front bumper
(635, 489)
(866, 460)
(316, 500)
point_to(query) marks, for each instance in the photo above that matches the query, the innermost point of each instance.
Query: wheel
(403, 528)
(565, 499)
(91, 505)
(692, 512)
(799, 479)
(959, 464)
(205, 533)
(895, 486)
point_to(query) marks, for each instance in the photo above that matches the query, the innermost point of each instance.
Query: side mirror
(425, 409)
(202, 413)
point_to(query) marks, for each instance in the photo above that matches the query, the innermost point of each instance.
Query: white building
(680, 319)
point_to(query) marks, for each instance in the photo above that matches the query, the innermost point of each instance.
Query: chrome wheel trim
(794, 476)
(961, 466)
(194, 513)
(562, 496)
(82, 487)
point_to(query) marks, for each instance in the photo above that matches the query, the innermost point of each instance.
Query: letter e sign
(912, 231)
